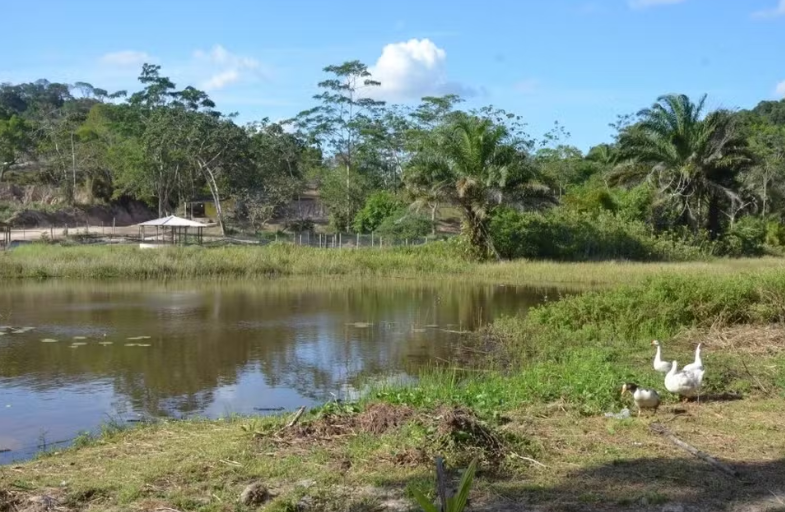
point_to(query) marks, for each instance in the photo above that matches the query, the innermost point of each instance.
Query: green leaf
(424, 502)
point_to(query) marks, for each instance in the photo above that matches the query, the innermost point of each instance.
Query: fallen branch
(659, 428)
(296, 417)
(755, 378)
(527, 459)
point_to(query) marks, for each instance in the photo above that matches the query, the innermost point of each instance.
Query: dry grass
(568, 462)
(434, 260)
(752, 340)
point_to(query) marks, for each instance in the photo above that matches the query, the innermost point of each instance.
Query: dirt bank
(39, 207)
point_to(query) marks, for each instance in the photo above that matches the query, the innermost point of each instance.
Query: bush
(746, 237)
(403, 224)
(569, 235)
(378, 207)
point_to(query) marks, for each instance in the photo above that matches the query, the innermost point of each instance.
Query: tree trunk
(3, 168)
(713, 218)
(433, 219)
(213, 184)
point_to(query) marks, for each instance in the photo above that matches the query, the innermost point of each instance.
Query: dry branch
(659, 428)
(296, 417)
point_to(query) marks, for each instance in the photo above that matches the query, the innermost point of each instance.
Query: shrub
(746, 237)
(378, 207)
(403, 224)
(569, 235)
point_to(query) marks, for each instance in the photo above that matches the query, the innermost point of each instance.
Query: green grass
(433, 260)
(579, 350)
(536, 388)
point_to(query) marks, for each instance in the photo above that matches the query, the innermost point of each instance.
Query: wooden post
(113, 223)
(340, 242)
(51, 233)
(371, 238)
(358, 240)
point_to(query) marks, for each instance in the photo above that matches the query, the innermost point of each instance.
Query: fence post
(113, 224)
(358, 240)
(340, 241)
(371, 238)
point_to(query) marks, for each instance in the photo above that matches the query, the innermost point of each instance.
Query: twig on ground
(659, 428)
(528, 459)
(296, 417)
(755, 378)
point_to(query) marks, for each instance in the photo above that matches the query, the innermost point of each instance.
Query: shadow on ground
(650, 484)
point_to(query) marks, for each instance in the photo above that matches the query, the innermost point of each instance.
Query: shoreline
(531, 408)
(437, 260)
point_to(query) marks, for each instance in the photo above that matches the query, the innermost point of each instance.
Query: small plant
(83, 439)
(254, 427)
(456, 503)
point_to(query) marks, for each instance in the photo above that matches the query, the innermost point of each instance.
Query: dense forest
(675, 182)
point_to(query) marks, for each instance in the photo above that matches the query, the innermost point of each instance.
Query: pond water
(74, 355)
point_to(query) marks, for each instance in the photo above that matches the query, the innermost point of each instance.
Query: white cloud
(774, 12)
(643, 4)
(224, 68)
(126, 58)
(780, 89)
(412, 69)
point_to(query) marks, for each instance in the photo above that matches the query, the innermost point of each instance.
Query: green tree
(278, 174)
(477, 163)
(694, 160)
(16, 141)
(378, 207)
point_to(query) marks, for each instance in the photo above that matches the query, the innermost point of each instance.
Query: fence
(347, 240)
(110, 234)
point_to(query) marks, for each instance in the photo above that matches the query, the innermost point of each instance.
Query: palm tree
(694, 160)
(471, 164)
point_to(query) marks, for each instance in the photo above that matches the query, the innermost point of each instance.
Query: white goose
(697, 364)
(643, 398)
(659, 364)
(686, 384)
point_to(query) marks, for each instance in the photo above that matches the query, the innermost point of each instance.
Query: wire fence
(348, 240)
(104, 234)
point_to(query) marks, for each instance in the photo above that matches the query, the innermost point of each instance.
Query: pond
(74, 355)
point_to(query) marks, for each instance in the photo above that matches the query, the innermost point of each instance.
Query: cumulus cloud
(778, 10)
(412, 69)
(224, 68)
(643, 4)
(126, 58)
(780, 89)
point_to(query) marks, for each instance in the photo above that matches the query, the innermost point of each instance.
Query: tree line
(673, 175)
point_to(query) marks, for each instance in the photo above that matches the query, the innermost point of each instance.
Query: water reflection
(220, 347)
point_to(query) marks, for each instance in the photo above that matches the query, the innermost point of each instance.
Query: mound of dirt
(376, 419)
(451, 430)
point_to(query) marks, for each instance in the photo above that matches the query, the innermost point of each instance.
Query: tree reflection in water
(247, 342)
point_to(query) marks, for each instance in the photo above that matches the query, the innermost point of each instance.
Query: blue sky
(580, 62)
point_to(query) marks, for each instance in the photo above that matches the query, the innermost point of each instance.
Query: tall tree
(16, 141)
(694, 160)
(477, 164)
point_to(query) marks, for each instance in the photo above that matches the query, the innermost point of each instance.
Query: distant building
(204, 207)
